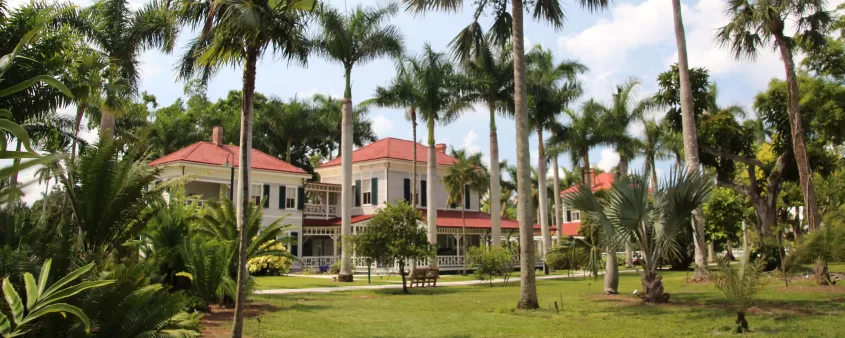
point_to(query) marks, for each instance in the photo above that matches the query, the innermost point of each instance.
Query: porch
(322, 200)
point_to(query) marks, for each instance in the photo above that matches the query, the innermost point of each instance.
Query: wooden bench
(422, 277)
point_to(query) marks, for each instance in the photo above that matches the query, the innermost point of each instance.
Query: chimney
(593, 177)
(217, 135)
(440, 148)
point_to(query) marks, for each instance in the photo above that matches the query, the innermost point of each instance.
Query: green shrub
(334, 268)
(272, 265)
(769, 254)
(207, 263)
(491, 262)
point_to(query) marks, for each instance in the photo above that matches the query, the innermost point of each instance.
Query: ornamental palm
(357, 38)
(510, 25)
(490, 81)
(467, 175)
(85, 81)
(626, 110)
(239, 32)
(741, 286)
(122, 33)
(551, 87)
(756, 25)
(654, 148)
(626, 214)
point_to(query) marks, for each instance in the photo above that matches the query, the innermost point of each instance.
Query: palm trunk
(629, 256)
(805, 176)
(741, 322)
(345, 274)
(690, 136)
(653, 288)
(44, 201)
(463, 233)
(711, 252)
(611, 272)
(13, 180)
(80, 112)
(107, 123)
(558, 210)
(431, 180)
(542, 199)
(495, 184)
(528, 283)
(586, 176)
(244, 185)
(414, 161)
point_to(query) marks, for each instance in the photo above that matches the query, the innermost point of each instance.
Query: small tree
(740, 286)
(823, 246)
(394, 236)
(491, 262)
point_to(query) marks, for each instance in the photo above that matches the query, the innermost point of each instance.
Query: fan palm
(510, 25)
(466, 176)
(239, 32)
(756, 25)
(356, 38)
(551, 87)
(121, 34)
(741, 286)
(627, 215)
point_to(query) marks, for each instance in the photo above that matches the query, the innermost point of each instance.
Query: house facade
(572, 217)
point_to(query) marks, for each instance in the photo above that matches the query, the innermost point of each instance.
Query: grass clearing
(695, 309)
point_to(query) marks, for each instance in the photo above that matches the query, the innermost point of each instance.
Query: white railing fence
(320, 209)
(318, 261)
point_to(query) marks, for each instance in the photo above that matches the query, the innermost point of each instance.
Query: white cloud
(469, 142)
(609, 158)
(150, 70)
(381, 125)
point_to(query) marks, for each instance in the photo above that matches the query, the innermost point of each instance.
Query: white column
(300, 243)
(334, 245)
(327, 205)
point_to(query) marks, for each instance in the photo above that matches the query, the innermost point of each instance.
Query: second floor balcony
(323, 200)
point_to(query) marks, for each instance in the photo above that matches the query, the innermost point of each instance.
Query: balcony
(324, 210)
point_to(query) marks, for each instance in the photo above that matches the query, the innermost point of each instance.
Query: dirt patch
(218, 322)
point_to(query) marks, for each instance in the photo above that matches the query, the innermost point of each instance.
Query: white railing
(318, 261)
(320, 209)
(449, 261)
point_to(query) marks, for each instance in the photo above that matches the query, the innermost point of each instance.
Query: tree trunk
(542, 199)
(13, 180)
(729, 252)
(44, 201)
(805, 175)
(611, 272)
(797, 228)
(414, 201)
(431, 181)
(528, 287)
(742, 324)
(690, 136)
(107, 119)
(288, 150)
(346, 188)
(586, 176)
(245, 160)
(653, 288)
(80, 112)
(495, 184)
(403, 274)
(711, 252)
(558, 206)
(629, 256)
(463, 234)
(821, 273)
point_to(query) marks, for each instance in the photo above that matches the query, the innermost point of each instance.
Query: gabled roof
(603, 181)
(395, 149)
(212, 154)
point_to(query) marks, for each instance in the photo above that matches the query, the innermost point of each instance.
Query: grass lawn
(296, 282)
(695, 310)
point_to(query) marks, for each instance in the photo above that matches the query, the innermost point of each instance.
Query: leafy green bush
(270, 264)
(334, 268)
(769, 254)
(207, 263)
(491, 262)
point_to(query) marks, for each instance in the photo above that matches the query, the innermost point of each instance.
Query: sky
(629, 39)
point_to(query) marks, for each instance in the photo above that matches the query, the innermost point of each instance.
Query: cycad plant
(627, 214)
(207, 265)
(740, 286)
(164, 234)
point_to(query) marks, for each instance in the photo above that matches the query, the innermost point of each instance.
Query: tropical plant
(758, 25)
(207, 265)
(42, 300)
(585, 130)
(393, 236)
(823, 246)
(466, 176)
(740, 286)
(491, 262)
(356, 38)
(627, 215)
(273, 264)
(238, 32)
(164, 234)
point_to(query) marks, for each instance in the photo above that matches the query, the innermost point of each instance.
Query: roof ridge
(195, 146)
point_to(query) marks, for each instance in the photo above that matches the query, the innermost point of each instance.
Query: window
(255, 193)
(290, 198)
(366, 193)
(576, 215)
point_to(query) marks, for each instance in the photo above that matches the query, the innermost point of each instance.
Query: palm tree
(85, 82)
(402, 93)
(121, 34)
(740, 286)
(490, 81)
(654, 148)
(235, 32)
(628, 215)
(551, 86)
(757, 25)
(330, 115)
(467, 175)
(356, 38)
(286, 122)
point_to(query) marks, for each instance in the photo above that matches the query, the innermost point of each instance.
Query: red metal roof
(211, 154)
(452, 219)
(392, 148)
(602, 181)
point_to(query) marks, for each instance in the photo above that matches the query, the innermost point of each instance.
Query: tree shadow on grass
(426, 291)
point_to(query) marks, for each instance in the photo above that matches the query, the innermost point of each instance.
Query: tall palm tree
(490, 81)
(355, 38)
(654, 148)
(330, 115)
(85, 82)
(122, 33)
(551, 87)
(239, 32)
(466, 176)
(548, 11)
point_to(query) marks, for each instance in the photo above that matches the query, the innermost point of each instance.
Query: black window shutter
(467, 196)
(357, 193)
(294, 246)
(282, 192)
(300, 198)
(423, 194)
(569, 215)
(374, 190)
(266, 196)
(406, 189)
